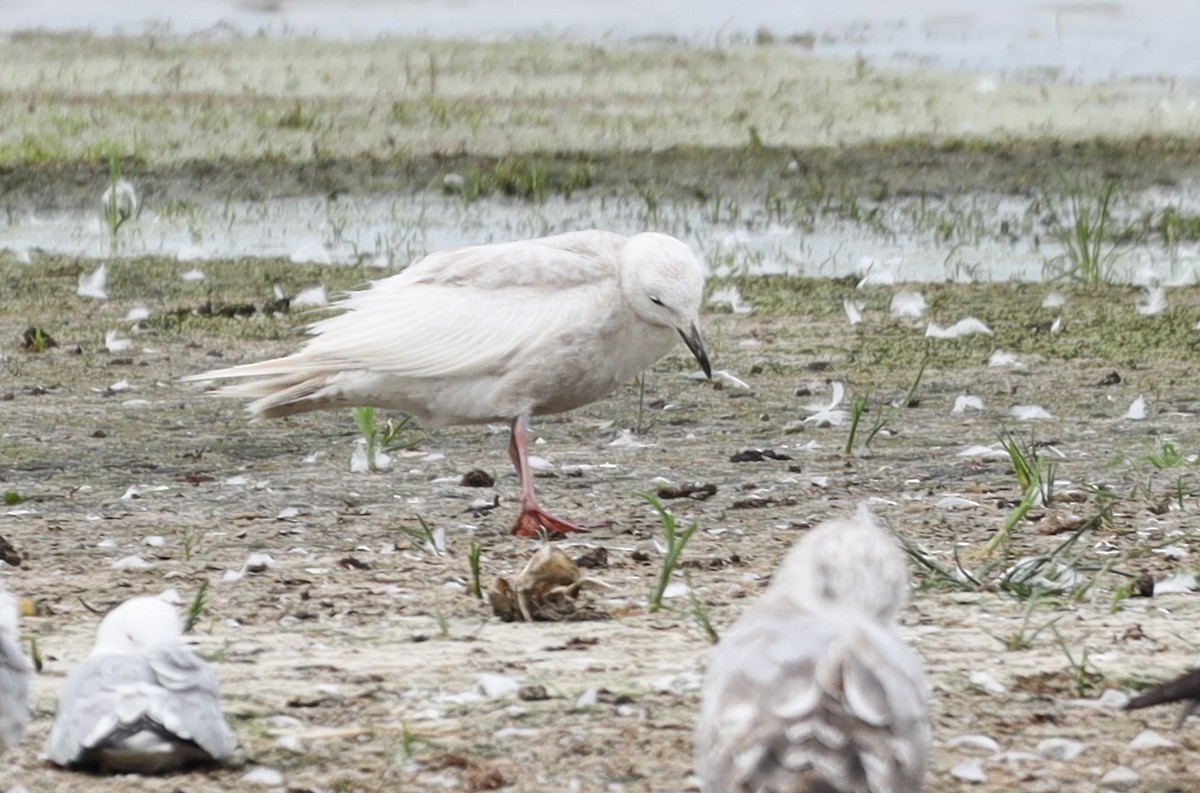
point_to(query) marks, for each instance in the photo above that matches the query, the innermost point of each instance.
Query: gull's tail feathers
(293, 385)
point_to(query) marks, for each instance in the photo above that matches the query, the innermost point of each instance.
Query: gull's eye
(656, 301)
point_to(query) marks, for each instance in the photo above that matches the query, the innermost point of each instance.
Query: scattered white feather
(313, 297)
(627, 440)
(263, 777)
(1001, 358)
(193, 275)
(1137, 410)
(908, 304)
(977, 452)
(1056, 326)
(876, 273)
(137, 314)
(22, 255)
(1029, 412)
(1149, 739)
(1054, 300)
(828, 415)
(191, 253)
(988, 682)
(311, 252)
(1154, 302)
(730, 296)
(728, 377)
(982, 743)
(358, 459)
(965, 401)
(1038, 571)
(1178, 583)
(969, 771)
(853, 311)
(956, 502)
(964, 327)
(114, 342)
(131, 563)
(94, 284)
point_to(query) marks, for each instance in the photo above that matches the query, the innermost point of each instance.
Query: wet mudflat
(355, 660)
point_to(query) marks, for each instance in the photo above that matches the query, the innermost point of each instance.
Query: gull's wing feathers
(14, 693)
(88, 703)
(453, 314)
(798, 704)
(192, 709)
(110, 703)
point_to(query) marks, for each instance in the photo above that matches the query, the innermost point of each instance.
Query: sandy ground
(355, 662)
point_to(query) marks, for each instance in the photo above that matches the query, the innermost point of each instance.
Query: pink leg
(533, 520)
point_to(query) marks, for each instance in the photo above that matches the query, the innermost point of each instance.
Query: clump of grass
(425, 538)
(1035, 477)
(1024, 636)
(12, 498)
(699, 614)
(858, 409)
(197, 608)
(35, 656)
(1084, 674)
(392, 435)
(676, 541)
(1081, 221)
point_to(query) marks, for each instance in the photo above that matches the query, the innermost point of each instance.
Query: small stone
(533, 693)
(477, 478)
(1059, 749)
(969, 771)
(1120, 778)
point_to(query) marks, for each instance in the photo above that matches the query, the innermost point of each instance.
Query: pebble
(987, 682)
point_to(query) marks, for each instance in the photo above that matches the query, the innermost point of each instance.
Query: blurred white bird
(495, 332)
(14, 675)
(140, 703)
(812, 690)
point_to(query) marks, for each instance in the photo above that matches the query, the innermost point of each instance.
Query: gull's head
(849, 565)
(136, 625)
(664, 281)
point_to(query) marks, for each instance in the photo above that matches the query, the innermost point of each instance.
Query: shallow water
(1128, 38)
(903, 241)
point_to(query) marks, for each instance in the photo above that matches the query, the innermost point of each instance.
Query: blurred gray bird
(140, 703)
(1185, 688)
(812, 690)
(14, 675)
(492, 333)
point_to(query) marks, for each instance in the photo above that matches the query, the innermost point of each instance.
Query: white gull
(495, 332)
(14, 675)
(812, 689)
(140, 703)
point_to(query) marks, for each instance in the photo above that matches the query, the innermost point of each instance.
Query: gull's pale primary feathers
(14, 675)
(812, 690)
(140, 703)
(497, 332)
